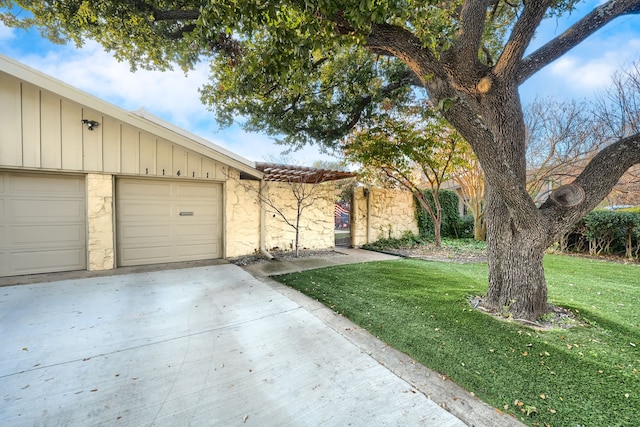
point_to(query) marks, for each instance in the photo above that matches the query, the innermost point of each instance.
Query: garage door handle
(186, 213)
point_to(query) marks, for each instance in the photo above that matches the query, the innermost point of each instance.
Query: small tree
(306, 188)
(406, 148)
(470, 178)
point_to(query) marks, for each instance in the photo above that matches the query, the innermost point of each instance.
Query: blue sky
(581, 73)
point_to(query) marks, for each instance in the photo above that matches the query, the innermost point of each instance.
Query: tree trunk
(479, 228)
(437, 229)
(516, 275)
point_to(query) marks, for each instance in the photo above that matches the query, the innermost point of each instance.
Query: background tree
(407, 147)
(561, 137)
(618, 112)
(470, 178)
(312, 69)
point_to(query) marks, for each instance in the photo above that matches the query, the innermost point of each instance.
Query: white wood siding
(42, 130)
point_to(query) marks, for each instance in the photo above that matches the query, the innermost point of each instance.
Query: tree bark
(516, 276)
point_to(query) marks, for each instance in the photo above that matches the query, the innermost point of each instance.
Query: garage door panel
(205, 231)
(147, 254)
(145, 232)
(47, 261)
(49, 235)
(4, 264)
(42, 223)
(52, 185)
(199, 210)
(181, 222)
(138, 209)
(24, 210)
(148, 190)
(198, 251)
(196, 191)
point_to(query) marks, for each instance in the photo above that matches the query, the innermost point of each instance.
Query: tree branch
(408, 79)
(472, 18)
(596, 185)
(405, 46)
(598, 18)
(521, 36)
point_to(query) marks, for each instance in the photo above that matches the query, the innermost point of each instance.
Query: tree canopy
(411, 147)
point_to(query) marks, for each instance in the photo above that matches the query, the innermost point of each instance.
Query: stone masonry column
(100, 222)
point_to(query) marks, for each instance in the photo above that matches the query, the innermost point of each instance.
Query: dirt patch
(284, 256)
(555, 318)
(445, 254)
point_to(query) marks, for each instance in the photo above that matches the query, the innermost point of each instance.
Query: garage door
(167, 221)
(42, 223)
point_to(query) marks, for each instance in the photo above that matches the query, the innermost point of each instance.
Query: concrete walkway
(206, 346)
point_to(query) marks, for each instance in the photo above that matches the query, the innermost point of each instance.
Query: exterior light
(90, 123)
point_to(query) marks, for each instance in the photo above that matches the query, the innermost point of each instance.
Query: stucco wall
(316, 222)
(100, 222)
(242, 215)
(392, 213)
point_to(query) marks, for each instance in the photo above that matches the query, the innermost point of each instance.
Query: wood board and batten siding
(42, 130)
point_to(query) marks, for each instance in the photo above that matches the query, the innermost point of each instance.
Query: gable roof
(140, 119)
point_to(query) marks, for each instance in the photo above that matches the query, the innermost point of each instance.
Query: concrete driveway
(206, 346)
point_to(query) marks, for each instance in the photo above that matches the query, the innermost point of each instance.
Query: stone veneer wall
(392, 214)
(242, 215)
(317, 222)
(100, 222)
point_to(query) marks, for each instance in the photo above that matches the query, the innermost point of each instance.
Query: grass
(583, 376)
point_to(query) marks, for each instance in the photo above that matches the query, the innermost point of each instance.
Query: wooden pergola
(300, 174)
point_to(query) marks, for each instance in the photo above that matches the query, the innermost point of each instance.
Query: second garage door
(167, 221)
(42, 223)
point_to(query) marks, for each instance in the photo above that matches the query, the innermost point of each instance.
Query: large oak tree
(312, 69)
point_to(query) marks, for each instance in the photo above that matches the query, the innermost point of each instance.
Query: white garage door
(42, 223)
(167, 221)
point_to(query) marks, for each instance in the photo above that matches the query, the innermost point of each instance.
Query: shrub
(407, 240)
(605, 232)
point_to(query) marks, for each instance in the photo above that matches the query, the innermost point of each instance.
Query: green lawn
(583, 376)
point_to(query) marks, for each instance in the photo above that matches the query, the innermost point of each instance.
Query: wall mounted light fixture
(90, 123)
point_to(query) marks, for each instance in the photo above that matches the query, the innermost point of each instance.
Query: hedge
(605, 232)
(453, 225)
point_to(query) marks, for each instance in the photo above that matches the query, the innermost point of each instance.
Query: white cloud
(6, 33)
(97, 72)
(260, 148)
(584, 71)
(587, 75)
